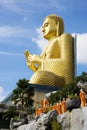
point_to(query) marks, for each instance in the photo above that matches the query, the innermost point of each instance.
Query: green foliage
(2, 105)
(22, 98)
(73, 96)
(81, 78)
(55, 125)
(23, 93)
(63, 93)
(71, 89)
(11, 112)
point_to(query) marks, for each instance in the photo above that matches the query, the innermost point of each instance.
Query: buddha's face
(49, 28)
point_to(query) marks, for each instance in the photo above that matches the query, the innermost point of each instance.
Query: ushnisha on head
(52, 26)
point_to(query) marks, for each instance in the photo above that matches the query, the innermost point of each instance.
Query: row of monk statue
(60, 107)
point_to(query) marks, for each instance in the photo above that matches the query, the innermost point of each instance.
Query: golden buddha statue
(54, 67)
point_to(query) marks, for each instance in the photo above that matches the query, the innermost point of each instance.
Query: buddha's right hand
(26, 54)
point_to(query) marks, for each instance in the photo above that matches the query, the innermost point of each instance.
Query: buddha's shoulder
(66, 35)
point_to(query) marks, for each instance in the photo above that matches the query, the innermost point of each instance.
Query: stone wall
(38, 96)
(74, 120)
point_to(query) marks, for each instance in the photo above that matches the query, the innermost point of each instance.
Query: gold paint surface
(55, 65)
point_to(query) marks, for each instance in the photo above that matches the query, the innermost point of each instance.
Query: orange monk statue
(82, 98)
(44, 103)
(63, 105)
(59, 108)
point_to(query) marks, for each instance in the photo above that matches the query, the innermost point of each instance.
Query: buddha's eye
(46, 24)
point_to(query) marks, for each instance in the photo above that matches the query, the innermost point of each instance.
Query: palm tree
(22, 95)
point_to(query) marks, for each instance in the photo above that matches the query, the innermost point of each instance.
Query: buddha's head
(52, 26)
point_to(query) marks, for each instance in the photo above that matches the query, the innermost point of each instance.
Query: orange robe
(44, 103)
(82, 98)
(63, 104)
(59, 108)
(38, 111)
(54, 107)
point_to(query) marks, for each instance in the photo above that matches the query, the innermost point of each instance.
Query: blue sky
(20, 22)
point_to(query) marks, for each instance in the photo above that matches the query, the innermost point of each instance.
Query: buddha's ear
(57, 32)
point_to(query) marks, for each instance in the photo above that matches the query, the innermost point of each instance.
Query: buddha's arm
(36, 59)
(31, 64)
(33, 61)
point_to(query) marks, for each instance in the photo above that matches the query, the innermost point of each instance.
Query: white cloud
(82, 48)
(10, 53)
(10, 31)
(13, 6)
(22, 7)
(1, 90)
(81, 45)
(41, 42)
(1, 93)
